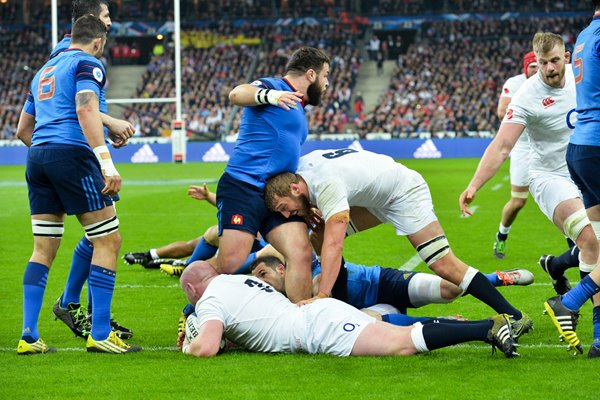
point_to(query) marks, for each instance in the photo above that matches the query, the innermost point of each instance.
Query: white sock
(153, 254)
(503, 229)
(468, 278)
(417, 337)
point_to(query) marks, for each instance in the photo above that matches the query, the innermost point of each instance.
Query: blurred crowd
(212, 64)
(448, 83)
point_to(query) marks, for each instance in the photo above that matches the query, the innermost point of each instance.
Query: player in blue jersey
(362, 286)
(272, 129)
(70, 171)
(583, 161)
(67, 308)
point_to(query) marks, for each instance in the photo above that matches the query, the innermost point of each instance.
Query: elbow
(234, 97)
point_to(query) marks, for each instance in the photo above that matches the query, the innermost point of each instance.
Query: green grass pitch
(155, 210)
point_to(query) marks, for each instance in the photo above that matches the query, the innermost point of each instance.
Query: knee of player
(211, 236)
(449, 291)
(587, 242)
(518, 203)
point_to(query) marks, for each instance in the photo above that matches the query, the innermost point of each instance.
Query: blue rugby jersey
(269, 139)
(65, 44)
(363, 282)
(53, 92)
(586, 68)
(61, 46)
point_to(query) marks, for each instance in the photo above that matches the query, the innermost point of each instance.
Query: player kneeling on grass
(253, 315)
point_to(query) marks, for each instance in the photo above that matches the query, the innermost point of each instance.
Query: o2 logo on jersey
(571, 119)
(98, 75)
(348, 327)
(46, 84)
(578, 63)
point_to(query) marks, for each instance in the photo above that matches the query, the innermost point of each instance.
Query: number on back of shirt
(338, 153)
(46, 85)
(259, 285)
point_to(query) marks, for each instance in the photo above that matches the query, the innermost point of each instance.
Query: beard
(305, 209)
(314, 93)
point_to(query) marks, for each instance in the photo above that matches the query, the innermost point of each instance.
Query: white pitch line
(174, 348)
(77, 349)
(412, 263)
(496, 187)
(128, 286)
(506, 178)
(128, 182)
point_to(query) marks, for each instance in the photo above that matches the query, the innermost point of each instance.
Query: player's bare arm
(331, 253)
(492, 159)
(246, 95)
(119, 130)
(207, 342)
(88, 113)
(25, 128)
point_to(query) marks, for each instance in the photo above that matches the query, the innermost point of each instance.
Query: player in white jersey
(543, 104)
(357, 190)
(519, 158)
(253, 315)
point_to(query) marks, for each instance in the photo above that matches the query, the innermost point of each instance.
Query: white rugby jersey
(543, 110)
(511, 86)
(254, 315)
(338, 179)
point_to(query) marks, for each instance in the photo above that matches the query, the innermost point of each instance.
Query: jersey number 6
(46, 84)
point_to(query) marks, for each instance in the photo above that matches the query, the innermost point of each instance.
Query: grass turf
(155, 210)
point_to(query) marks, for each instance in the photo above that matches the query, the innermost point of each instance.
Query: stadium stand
(445, 85)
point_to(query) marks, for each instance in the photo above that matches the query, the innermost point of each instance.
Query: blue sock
(578, 295)
(493, 278)
(102, 285)
(34, 286)
(402, 320)
(203, 251)
(80, 270)
(597, 326)
(245, 268)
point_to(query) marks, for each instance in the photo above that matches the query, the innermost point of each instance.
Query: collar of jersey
(295, 90)
(73, 49)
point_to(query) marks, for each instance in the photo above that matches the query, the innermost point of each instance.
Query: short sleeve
(517, 112)
(332, 199)
(29, 106)
(263, 83)
(90, 76)
(210, 309)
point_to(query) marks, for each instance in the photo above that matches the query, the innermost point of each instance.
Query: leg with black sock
(443, 334)
(559, 264)
(478, 286)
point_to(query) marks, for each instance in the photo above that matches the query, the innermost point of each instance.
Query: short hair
(596, 4)
(279, 185)
(270, 261)
(85, 7)
(544, 42)
(306, 58)
(87, 28)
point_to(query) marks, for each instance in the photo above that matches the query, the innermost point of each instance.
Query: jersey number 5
(578, 63)
(46, 84)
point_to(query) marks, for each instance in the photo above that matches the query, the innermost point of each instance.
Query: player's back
(361, 176)
(586, 67)
(254, 314)
(53, 91)
(269, 139)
